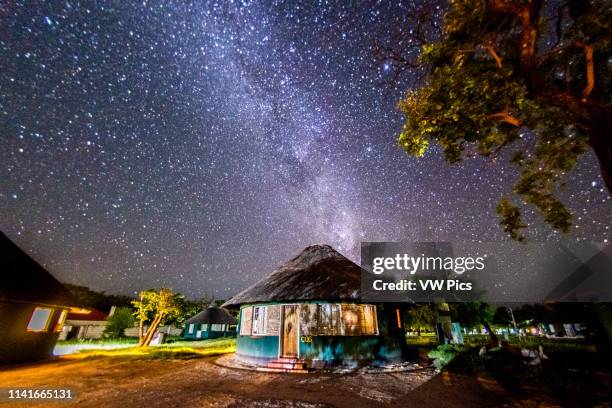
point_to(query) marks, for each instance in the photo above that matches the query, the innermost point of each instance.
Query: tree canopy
(122, 319)
(155, 307)
(523, 80)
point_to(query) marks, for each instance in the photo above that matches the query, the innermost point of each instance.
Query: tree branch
(505, 117)
(588, 56)
(590, 68)
(492, 53)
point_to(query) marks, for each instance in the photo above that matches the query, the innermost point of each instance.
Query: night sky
(199, 146)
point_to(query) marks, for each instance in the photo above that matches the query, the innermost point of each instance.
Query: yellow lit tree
(155, 307)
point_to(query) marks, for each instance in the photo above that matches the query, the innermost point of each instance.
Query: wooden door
(289, 340)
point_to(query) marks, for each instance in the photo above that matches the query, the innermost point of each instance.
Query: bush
(118, 322)
(443, 354)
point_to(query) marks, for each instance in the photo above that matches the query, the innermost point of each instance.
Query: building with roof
(308, 314)
(210, 323)
(85, 326)
(33, 306)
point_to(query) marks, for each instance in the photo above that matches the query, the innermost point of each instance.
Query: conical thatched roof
(24, 280)
(319, 272)
(212, 315)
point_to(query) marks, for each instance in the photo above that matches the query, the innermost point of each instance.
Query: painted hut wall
(18, 345)
(322, 351)
(346, 350)
(257, 349)
(206, 334)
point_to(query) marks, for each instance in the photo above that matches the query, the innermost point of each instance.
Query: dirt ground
(120, 382)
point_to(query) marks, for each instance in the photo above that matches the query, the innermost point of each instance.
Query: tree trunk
(141, 333)
(492, 334)
(603, 150)
(152, 329)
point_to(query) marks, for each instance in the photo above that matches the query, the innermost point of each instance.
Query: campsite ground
(126, 382)
(179, 377)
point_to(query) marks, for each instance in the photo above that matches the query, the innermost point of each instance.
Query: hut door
(289, 340)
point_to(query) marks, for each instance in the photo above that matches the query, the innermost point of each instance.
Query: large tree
(155, 307)
(526, 77)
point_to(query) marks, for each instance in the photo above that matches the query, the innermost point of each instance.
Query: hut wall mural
(309, 311)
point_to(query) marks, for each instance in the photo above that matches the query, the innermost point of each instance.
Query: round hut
(210, 323)
(308, 314)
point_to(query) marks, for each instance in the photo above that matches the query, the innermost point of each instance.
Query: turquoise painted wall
(257, 348)
(206, 334)
(340, 349)
(326, 350)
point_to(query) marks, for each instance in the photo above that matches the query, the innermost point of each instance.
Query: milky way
(198, 146)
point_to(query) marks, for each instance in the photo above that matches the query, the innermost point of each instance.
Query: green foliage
(502, 317)
(484, 91)
(156, 307)
(187, 309)
(443, 354)
(421, 316)
(511, 219)
(472, 314)
(122, 319)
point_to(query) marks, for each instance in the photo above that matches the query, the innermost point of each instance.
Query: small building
(84, 326)
(308, 314)
(33, 307)
(211, 323)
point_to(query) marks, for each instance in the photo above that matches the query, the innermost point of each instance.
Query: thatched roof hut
(210, 323)
(212, 315)
(308, 313)
(319, 272)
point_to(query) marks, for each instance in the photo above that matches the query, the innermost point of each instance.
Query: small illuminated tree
(156, 307)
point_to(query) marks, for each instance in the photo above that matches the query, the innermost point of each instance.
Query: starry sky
(199, 145)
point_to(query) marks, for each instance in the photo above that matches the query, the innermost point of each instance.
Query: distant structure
(33, 306)
(308, 314)
(89, 326)
(211, 323)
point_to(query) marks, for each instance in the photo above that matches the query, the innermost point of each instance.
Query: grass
(123, 340)
(176, 350)
(422, 341)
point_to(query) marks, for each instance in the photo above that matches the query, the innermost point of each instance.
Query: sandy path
(117, 382)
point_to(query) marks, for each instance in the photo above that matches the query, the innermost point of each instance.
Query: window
(246, 321)
(61, 321)
(39, 321)
(330, 323)
(359, 320)
(273, 320)
(332, 319)
(216, 327)
(369, 325)
(321, 320)
(350, 319)
(309, 319)
(259, 320)
(191, 328)
(204, 326)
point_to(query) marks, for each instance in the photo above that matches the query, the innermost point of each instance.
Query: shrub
(122, 319)
(443, 354)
